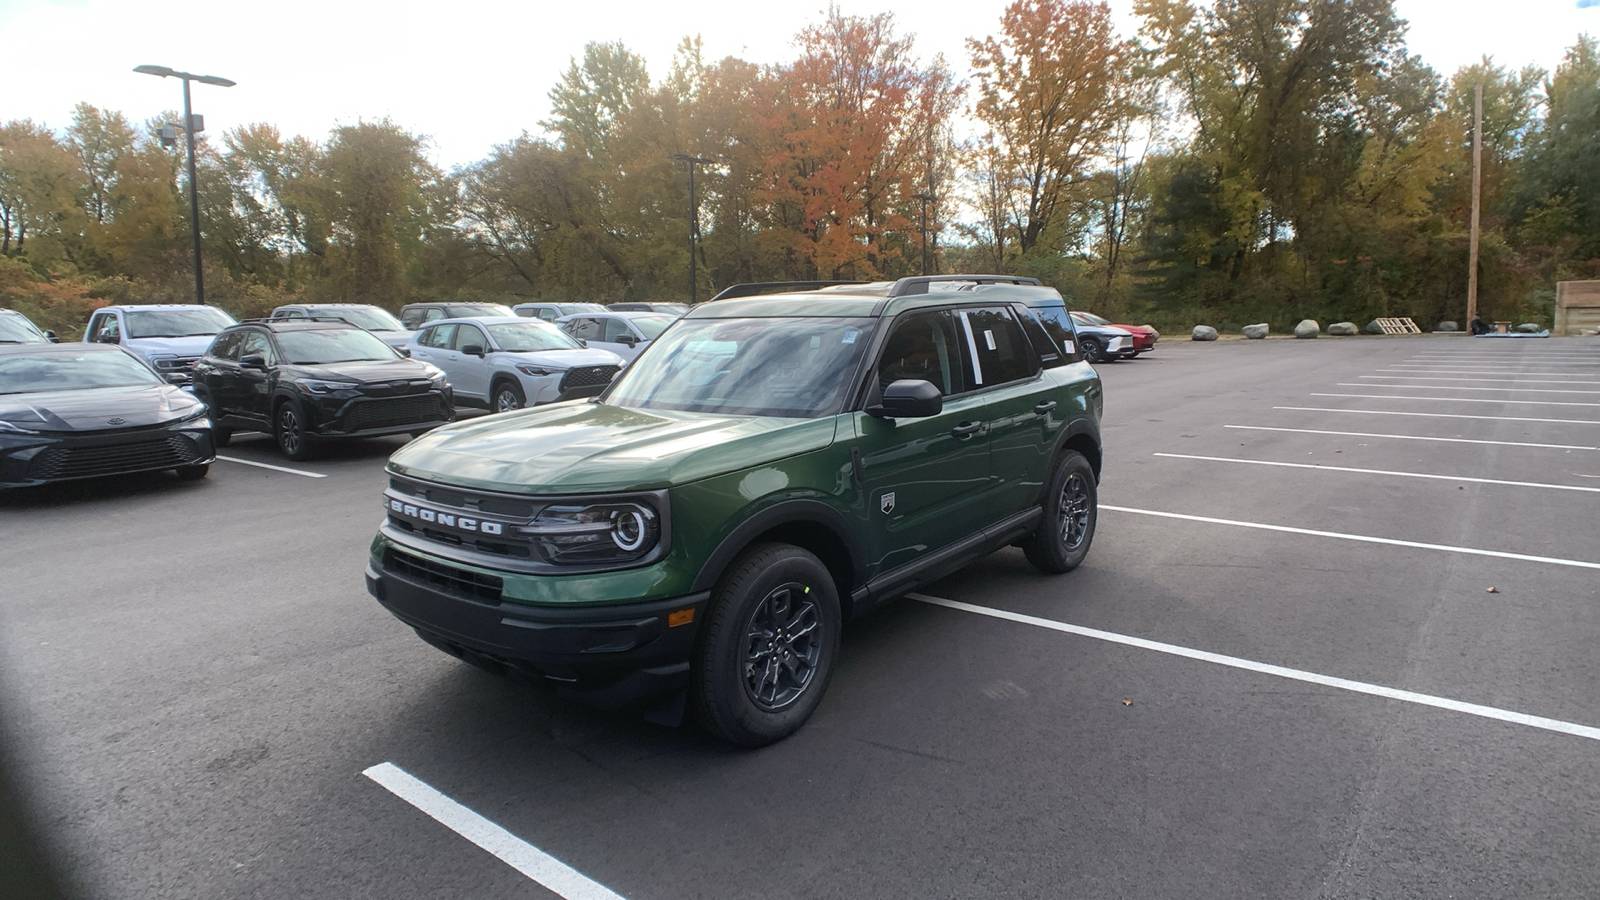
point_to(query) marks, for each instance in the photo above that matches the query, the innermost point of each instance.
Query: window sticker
(988, 338)
(850, 336)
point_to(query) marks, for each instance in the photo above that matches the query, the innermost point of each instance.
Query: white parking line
(552, 873)
(259, 465)
(1233, 662)
(1415, 437)
(1455, 478)
(1512, 402)
(1488, 370)
(1451, 387)
(1476, 378)
(1363, 538)
(1394, 412)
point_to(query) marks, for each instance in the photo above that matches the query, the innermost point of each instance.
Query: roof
(138, 306)
(73, 348)
(328, 306)
(278, 326)
(881, 298)
(487, 320)
(620, 314)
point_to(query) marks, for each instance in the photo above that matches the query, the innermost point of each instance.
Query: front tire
(771, 639)
(508, 397)
(1071, 508)
(290, 430)
(1093, 351)
(221, 436)
(193, 473)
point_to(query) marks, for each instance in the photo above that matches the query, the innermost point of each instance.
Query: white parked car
(508, 362)
(623, 333)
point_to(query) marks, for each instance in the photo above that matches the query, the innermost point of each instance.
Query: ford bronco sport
(773, 466)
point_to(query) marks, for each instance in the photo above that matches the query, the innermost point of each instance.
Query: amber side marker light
(681, 617)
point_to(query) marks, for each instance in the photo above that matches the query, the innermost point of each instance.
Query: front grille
(458, 582)
(394, 411)
(133, 456)
(396, 388)
(588, 376)
(180, 364)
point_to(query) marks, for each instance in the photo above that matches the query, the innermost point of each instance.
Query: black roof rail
(918, 284)
(753, 288)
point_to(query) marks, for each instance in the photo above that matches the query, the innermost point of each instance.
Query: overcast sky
(473, 73)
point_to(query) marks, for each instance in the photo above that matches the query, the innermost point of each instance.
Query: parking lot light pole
(694, 220)
(189, 129)
(926, 199)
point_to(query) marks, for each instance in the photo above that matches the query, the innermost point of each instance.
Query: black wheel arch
(809, 524)
(1083, 435)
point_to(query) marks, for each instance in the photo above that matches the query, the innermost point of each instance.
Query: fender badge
(886, 502)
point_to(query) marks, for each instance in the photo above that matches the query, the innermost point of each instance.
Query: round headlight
(630, 530)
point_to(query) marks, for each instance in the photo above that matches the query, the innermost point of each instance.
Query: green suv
(773, 466)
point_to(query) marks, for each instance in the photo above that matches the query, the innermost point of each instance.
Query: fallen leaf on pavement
(1494, 590)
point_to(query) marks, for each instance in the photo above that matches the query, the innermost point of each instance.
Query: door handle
(1044, 407)
(967, 428)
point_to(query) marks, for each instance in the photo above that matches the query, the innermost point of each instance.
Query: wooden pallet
(1398, 326)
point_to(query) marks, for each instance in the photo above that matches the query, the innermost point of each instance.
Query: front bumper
(27, 460)
(367, 416)
(608, 656)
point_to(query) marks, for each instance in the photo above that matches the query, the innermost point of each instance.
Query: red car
(1144, 337)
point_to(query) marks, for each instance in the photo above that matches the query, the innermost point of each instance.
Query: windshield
(652, 326)
(17, 330)
(794, 367)
(71, 372)
(1088, 319)
(526, 337)
(369, 317)
(150, 323)
(477, 310)
(334, 345)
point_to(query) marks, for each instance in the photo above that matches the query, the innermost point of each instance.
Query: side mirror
(581, 342)
(253, 361)
(177, 378)
(628, 340)
(110, 339)
(51, 337)
(403, 351)
(473, 350)
(908, 398)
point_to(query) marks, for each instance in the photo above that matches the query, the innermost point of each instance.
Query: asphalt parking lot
(1281, 673)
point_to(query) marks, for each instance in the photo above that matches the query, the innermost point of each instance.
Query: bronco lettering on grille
(448, 520)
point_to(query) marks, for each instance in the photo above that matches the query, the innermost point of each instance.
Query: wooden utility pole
(1477, 184)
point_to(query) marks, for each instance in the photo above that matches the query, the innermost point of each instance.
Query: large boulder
(1373, 327)
(1446, 327)
(1256, 332)
(1203, 333)
(1344, 328)
(1530, 328)
(1308, 328)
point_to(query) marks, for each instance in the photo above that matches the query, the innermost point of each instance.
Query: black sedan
(305, 381)
(83, 410)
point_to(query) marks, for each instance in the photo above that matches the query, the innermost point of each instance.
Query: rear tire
(507, 397)
(290, 430)
(1070, 510)
(193, 473)
(770, 642)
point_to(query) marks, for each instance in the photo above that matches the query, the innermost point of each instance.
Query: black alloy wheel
(291, 432)
(1070, 510)
(1093, 350)
(508, 396)
(769, 645)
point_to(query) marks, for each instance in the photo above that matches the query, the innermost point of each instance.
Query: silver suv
(509, 362)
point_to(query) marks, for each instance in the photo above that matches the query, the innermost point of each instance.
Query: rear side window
(1048, 351)
(1059, 326)
(1001, 353)
(439, 336)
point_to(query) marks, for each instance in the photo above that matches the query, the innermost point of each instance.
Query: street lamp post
(926, 199)
(694, 219)
(189, 129)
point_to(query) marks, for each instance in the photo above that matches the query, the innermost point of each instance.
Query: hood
(174, 346)
(1103, 330)
(363, 371)
(1136, 329)
(581, 446)
(562, 359)
(92, 408)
